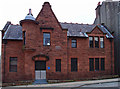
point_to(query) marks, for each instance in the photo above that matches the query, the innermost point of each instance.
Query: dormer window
(96, 42)
(101, 42)
(91, 42)
(46, 39)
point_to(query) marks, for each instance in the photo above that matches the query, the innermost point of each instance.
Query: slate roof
(14, 32)
(80, 30)
(6, 26)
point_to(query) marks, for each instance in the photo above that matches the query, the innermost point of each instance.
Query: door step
(40, 81)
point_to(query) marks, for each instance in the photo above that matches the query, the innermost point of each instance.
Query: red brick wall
(60, 48)
(34, 40)
(13, 49)
(83, 53)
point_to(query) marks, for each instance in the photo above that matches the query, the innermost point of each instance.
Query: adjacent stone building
(44, 48)
(108, 14)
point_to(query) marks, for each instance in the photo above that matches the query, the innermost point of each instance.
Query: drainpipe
(67, 57)
(111, 56)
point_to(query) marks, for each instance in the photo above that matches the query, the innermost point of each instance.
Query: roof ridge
(76, 23)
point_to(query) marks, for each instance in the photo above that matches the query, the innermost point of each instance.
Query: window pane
(96, 42)
(96, 64)
(91, 42)
(13, 64)
(58, 65)
(46, 38)
(91, 64)
(73, 64)
(73, 40)
(74, 43)
(101, 42)
(102, 64)
(13, 68)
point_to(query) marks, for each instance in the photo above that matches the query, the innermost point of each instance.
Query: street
(109, 85)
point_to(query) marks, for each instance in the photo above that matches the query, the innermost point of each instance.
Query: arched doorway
(40, 70)
(40, 66)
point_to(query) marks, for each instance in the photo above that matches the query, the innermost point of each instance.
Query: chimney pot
(98, 3)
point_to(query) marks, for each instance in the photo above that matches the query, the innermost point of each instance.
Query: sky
(75, 11)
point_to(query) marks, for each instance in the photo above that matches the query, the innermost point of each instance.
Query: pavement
(73, 84)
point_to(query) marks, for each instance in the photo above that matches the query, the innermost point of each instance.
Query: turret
(28, 18)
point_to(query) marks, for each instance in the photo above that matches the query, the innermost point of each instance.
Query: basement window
(46, 39)
(13, 64)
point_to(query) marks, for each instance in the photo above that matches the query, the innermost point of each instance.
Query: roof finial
(30, 12)
(29, 15)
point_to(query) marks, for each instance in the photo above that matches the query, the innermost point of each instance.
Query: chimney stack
(98, 3)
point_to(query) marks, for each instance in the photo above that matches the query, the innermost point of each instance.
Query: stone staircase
(40, 81)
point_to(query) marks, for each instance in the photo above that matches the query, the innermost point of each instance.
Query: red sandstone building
(44, 48)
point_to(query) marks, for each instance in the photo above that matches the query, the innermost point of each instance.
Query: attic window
(91, 42)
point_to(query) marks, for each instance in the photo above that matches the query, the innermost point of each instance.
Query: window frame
(74, 64)
(102, 42)
(96, 44)
(12, 66)
(74, 43)
(102, 67)
(58, 65)
(97, 64)
(44, 38)
(92, 42)
(91, 64)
